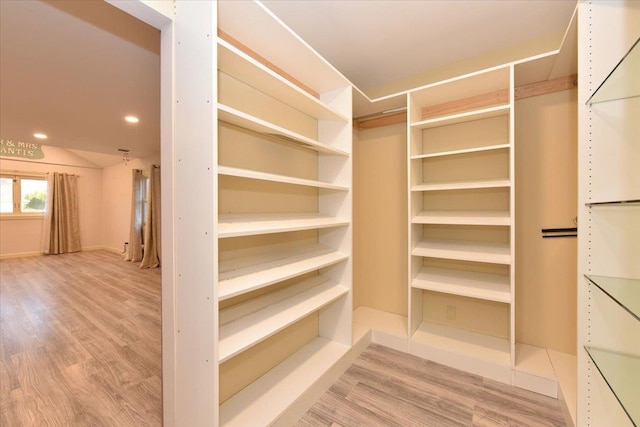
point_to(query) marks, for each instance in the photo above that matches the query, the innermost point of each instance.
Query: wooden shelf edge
(264, 400)
(264, 176)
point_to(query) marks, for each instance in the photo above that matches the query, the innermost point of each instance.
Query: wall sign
(25, 150)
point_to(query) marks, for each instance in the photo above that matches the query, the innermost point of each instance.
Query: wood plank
(491, 287)
(264, 176)
(265, 399)
(462, 117)
(388, 387)
(496, 253)
(381, 120)
(460, 217)
(241, 276)
(462, 185)
(466, 104)
(237, 225)
(80, 341)
(246, 324)
(239, 118)
(475, 102)
(240, 66)
(545, 87)
(244, 48)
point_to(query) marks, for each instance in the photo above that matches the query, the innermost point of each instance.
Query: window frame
(17, 177)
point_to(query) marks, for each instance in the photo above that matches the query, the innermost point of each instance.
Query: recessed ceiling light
(132, 119)
(40, 135)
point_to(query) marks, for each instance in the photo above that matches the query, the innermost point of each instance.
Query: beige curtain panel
(134, 249)
(151, 258)
(61, 225)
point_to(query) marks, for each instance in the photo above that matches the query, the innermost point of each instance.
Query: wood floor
(80, 342)
(384, 387)
(80, 346)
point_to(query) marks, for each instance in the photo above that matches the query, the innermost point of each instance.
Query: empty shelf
(236, 225)
(463, 217)
(236, 63)
(467, 116)
(621, 372)
(496, 253)
(626, 292)
(247, 121)
(264, 176)
(260, 403)
(462, 185)
(246, 324)
(492, 287)
(460, 151)
(248, 274)
(461, 341)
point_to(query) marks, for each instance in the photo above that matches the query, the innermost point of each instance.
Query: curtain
(61, 225)
(152, 257)
(134, 249)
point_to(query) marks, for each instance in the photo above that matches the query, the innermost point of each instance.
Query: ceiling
(75, 69)
(379, 41)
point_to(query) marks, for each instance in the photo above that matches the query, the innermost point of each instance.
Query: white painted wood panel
(245, 275)
(236, 225)
(264, 176)
(492, 287)
(463, 217)
(262, 402)
(462, 185)
(236, 63)
(246, 324)
(247, 121)
(501, 110)
(497, 253)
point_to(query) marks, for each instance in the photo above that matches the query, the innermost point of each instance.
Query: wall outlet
(451, 312)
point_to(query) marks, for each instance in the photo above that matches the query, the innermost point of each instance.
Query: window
(22, 195)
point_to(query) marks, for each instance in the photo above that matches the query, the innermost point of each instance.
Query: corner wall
(380, 219)
(22, 237)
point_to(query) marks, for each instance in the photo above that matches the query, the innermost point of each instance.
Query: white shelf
(500, 110)
(463, 342)
(247, 121)
(462, 185)
(496, 253)
(462, 217)
(264, 176)
(237, 225)
(260, 403)
(247, 274)
(491, 287)
(236, 63)
(246, 324)
(461, 151)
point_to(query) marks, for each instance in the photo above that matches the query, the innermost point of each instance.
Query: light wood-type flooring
(384, 387)
(80, 339)
(80, 346)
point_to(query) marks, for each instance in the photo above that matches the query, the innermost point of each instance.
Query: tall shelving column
(284, 220)
(461, 223)
(609, 214)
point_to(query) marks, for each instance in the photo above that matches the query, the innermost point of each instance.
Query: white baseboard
(35, 253)
(20, 255)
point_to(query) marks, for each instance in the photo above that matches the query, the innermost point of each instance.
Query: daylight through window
(22, 195)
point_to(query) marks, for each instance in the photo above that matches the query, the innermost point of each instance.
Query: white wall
(104, 202)
(23, 236)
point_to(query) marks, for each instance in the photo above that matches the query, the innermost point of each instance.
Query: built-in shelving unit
(283, 221)
(609, 232)
(461, 222)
